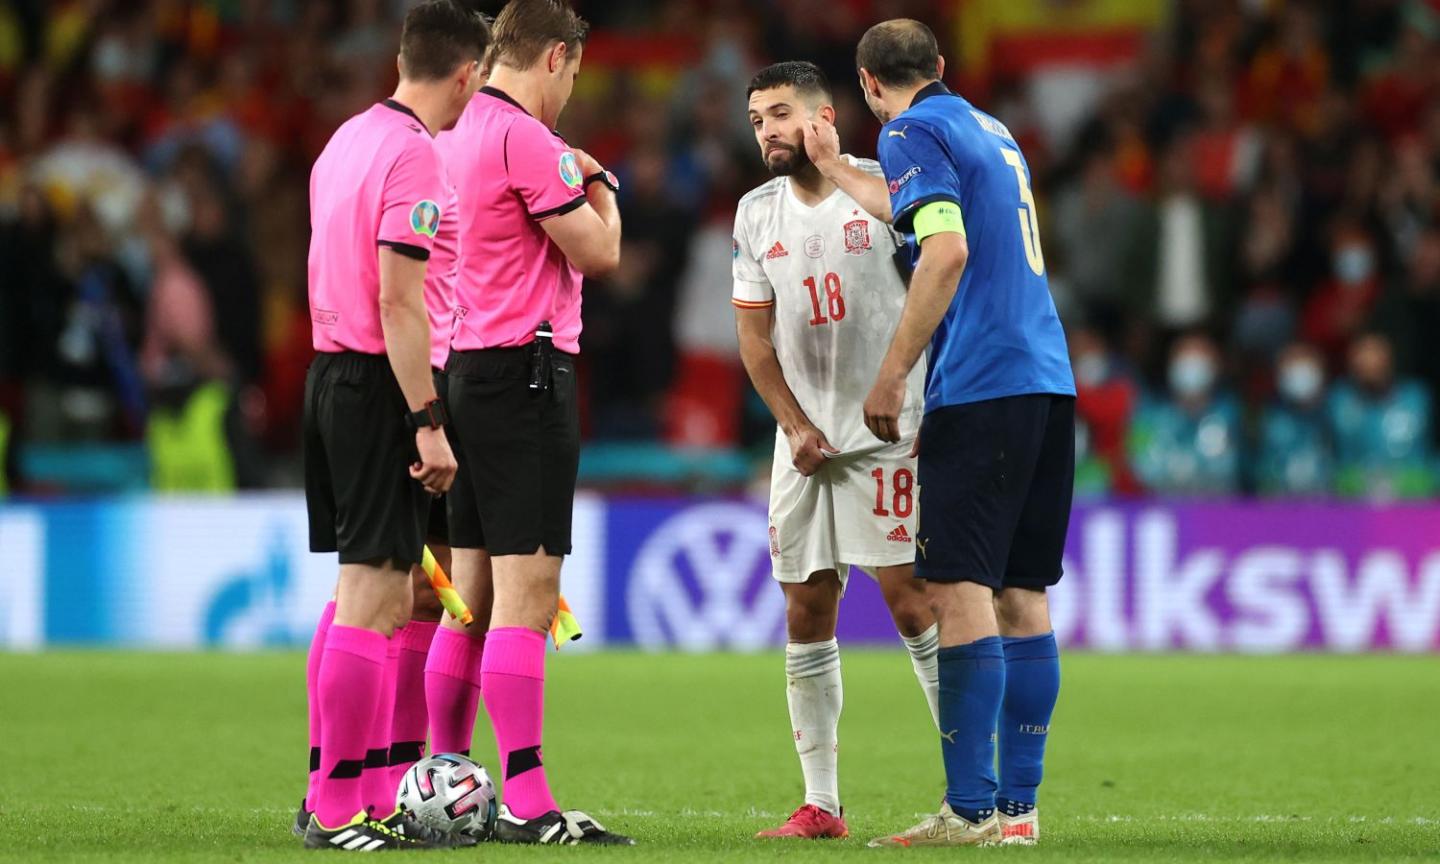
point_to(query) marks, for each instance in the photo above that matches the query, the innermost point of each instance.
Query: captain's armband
(939, 217)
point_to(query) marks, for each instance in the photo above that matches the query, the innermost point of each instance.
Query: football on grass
(450, 793)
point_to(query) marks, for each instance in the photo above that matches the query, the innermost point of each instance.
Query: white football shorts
(858, 509)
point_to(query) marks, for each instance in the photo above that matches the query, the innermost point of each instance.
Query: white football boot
(945, 829)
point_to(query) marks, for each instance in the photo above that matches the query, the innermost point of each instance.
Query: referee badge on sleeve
(570, 170)
(425, 218)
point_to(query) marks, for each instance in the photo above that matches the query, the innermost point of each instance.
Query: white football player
(817, 295)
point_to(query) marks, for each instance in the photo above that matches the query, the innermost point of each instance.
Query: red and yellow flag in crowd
(1009, 37)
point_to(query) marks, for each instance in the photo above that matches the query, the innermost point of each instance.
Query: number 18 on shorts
(856, 510)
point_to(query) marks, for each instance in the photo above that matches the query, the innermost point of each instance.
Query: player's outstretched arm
(757, 351)
(937, 277)
(822, 145)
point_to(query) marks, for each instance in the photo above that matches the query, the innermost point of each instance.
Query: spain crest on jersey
(857, 237)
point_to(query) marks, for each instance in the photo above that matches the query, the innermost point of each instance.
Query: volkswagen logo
(702, 581)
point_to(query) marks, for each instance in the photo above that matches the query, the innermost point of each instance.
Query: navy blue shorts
(996, 482)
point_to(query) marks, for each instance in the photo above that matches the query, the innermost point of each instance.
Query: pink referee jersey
(513, 173)
(443, 276)
(379, 182)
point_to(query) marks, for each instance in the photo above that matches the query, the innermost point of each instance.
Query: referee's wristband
(610, 181)
(432, 416)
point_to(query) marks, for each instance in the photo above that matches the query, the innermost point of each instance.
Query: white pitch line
(756, 813)
(194, 808)
(1265, 818)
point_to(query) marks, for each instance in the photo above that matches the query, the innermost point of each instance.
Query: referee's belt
(500, 363)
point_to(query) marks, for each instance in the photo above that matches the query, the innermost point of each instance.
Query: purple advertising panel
(1252, 577)
(1151, 577)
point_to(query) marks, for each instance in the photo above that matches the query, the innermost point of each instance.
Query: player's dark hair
(899, 53)
(525, 28)
(440, 35)
(807, 79)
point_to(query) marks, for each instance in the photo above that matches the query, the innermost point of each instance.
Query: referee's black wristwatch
(605, 177)
(432, 416)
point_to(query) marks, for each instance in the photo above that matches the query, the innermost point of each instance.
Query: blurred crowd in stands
(1239, 201)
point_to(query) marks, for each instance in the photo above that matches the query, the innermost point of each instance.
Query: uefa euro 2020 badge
(425, 218)
(570, 170)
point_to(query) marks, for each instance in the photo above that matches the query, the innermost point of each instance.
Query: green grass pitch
(201, 758)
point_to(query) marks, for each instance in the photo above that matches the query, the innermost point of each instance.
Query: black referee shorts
(361, 498)
(519, 453)
(996, 482)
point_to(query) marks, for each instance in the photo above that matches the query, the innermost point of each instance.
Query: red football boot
(811, 823)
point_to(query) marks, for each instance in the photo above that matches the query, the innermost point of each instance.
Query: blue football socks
(1032, 683)
(972, 686)
(1012, 808)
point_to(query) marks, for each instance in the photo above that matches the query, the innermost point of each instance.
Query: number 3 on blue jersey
(1029, 216)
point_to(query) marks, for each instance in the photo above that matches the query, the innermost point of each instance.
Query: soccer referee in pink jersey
(375, 445)
(536, 218)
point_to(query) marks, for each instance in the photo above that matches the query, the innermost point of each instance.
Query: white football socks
(813, 689)
(923, 650)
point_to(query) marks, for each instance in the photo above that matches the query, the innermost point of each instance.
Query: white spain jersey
(829, 271)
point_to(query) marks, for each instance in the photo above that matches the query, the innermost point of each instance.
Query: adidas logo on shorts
(899, 535)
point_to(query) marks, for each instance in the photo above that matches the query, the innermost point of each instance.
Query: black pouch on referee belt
(540, 357)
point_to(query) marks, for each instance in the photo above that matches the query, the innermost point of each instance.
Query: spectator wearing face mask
(1187, 442)
(1296, 455)
(1343, 303)
(1382, 427)
(1103, 410)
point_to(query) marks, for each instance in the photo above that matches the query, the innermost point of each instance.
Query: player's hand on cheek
(822, 141)
(882, 408)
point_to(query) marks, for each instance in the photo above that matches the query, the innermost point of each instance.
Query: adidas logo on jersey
(899, 535)
(776, 251)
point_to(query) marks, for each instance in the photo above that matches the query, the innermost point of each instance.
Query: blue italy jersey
(1001, 336)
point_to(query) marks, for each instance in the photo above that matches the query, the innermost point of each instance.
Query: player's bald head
(901, 52)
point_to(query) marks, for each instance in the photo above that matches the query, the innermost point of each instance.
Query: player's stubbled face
(777, 116)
